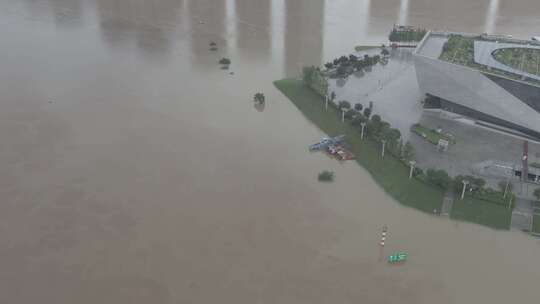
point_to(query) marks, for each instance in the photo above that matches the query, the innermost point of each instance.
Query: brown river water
(135, 170)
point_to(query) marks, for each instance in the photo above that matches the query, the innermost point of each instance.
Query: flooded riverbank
(135, 170)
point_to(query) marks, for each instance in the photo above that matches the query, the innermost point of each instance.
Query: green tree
(375, 125)
(344, 105)
(315, 79)
(536, 193)
(343, 59)
(457, 183)
(477, 184)
(307, 74)
(408, 151)
(360, 64)
(358, 107)
(350, 114)
(439, 178)
(367, 112)
(225, 61)
(259, 97)
(418, 172)
(326, 176)
(503, 186)
(376, 119)
(358, 120)
(392, 136)
(342, 70)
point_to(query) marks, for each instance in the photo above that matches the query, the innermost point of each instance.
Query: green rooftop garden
(526, 60)
(431, 135)
(460, 50)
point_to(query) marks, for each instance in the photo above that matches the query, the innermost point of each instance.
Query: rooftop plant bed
(526, 60)
(460, 50)
(406, 34)
(433, 136)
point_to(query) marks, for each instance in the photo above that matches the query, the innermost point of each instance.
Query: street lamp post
(412, 163)
(465, 183)
(383, 144)
(506, 188)
(326, 102)
(363, 124)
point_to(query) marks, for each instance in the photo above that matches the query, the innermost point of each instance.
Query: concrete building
(495, 80)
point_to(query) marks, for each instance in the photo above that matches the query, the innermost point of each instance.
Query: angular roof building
(492, 79)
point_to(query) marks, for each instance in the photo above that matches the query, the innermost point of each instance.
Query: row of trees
(315, 79)
(441, 179)
(353, 113)
(475, 186)
(344, 66)
(377, 129)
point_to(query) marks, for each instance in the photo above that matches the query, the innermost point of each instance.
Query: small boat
(325, 142)
(397, 257)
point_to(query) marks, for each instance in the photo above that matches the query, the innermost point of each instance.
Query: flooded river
(135, 170)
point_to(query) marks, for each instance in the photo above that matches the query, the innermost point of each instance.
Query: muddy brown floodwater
(134, 170)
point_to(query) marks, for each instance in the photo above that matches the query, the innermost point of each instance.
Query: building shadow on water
(147, 26)
(303, 39)
(254, 36)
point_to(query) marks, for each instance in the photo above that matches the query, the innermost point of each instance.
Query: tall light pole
(412, 163)
(383, 144)
(465, 183)
(326, 102)
(363, 124)
(506, 188)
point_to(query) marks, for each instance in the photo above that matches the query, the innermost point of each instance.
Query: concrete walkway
(448, 202)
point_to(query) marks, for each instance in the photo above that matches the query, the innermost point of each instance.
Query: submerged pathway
(448, 202)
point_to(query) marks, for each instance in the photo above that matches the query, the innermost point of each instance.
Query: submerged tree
(225, 61)
(326, 176)
(259, 97)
